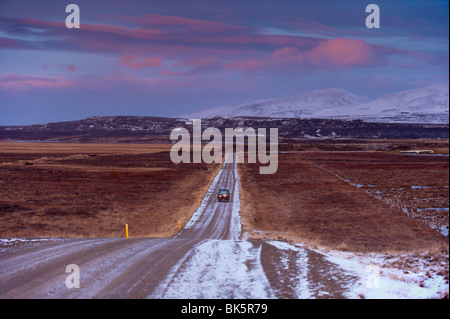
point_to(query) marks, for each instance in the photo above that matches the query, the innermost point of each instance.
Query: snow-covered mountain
(299, 106)
(311, 104)
(429, 104)
(423, 105)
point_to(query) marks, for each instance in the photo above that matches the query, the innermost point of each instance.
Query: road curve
(206, 259)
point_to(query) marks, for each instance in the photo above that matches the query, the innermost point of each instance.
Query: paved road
(207, 259)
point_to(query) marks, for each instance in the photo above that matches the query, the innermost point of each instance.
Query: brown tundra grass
(50, 193)
(305, 203)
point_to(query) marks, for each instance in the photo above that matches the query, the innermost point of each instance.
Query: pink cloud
(171, 73)
(287, 55)
(329, 55)
(71, 68)
(247, 65)
(197, 62)
(23, 82)
(135, 62)
(163, 33)
(99, 28)
(342, 53)
(6, 43)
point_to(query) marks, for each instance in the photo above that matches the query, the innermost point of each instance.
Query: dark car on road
(223, 194)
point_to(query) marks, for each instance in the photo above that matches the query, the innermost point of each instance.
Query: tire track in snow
(296, 272)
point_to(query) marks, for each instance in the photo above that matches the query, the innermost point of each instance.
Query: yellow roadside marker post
(126, 230)
(179, 225)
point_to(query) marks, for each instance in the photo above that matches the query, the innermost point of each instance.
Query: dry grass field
(320, 196)
(33, 149)
(416, 185)
(93, 190)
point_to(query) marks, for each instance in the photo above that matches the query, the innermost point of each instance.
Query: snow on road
(219, 269)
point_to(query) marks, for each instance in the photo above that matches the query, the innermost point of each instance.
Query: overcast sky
(166, 58)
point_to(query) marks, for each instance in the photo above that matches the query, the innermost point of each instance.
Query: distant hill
(145, 129)
(105, 128)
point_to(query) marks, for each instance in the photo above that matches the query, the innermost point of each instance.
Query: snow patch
(376, 281)
(22, 240)
(217, 269)
(235, 222)
(379, 282)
